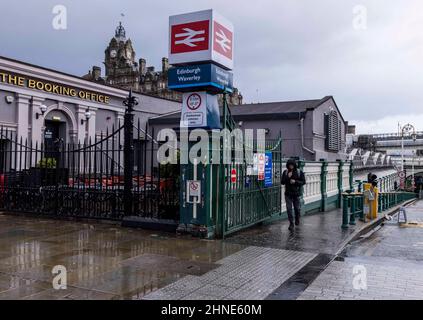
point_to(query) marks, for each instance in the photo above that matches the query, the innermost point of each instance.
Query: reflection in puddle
(102, 261)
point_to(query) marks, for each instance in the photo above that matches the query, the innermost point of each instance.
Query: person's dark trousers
(293, 201)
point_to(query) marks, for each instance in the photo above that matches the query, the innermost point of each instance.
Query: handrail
(353, 204)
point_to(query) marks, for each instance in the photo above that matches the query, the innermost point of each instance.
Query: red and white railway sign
(190, 37)
(203, 36)
(222, 40)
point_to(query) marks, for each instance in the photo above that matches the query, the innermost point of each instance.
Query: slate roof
(262, 111)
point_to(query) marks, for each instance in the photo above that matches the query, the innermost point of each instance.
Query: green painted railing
(353, 205)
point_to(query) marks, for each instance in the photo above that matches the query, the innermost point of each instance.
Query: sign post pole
(201, 53)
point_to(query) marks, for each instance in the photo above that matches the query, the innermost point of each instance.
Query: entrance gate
(232, 196)
(90, 179)
(249, 199)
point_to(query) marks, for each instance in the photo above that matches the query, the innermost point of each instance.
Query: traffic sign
(202, 36)
(261, 166)
(401, 174)
(194, 188)
(200, 110)
(194, 101)
(233, 175)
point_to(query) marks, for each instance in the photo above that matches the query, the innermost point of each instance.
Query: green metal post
(352, 215)
(379, 203)
(220, 223)
(345, 212)
(361, 204)
(360, 186)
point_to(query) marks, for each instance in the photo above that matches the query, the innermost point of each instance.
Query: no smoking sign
(194, 188)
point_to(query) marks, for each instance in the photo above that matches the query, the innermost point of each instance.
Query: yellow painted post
(371, 195)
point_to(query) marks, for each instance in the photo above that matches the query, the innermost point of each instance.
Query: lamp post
(406, 130)
(413, 184)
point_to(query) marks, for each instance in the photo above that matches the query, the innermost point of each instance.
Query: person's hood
(293, 162)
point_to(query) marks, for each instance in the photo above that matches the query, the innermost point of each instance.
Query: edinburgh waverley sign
(203, 77)
(203, 36)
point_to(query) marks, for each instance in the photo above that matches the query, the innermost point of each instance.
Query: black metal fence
(87, 180)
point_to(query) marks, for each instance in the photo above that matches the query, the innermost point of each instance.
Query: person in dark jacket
(293, 179)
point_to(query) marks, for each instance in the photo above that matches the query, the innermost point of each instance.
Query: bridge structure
(399, 150)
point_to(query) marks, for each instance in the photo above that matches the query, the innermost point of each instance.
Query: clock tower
(121, 69)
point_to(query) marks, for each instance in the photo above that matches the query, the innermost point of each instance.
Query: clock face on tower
(113, 53)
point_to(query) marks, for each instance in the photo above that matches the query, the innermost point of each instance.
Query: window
(333, 131)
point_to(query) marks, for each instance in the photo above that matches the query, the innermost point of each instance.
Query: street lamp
(43, 110)
(87, 117)
(406, 130)
(414, 136)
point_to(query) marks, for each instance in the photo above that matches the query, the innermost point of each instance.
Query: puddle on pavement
(102, 261)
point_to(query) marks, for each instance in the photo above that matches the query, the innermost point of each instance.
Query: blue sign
(247, 181)
(202, 77)
(268, 170)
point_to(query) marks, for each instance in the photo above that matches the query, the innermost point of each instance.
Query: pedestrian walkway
(276, 263)
(103, 261)
(385, 265)
(251, 274)
(318, 233)
(106, 261)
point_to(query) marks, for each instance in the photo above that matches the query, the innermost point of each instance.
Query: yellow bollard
(371, 195)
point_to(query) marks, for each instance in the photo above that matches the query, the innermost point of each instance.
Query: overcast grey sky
(284, 50)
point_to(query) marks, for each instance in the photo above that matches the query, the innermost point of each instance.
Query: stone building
(123, 71)
(38, 105)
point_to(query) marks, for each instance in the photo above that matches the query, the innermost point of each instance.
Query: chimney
(165, 64)
(96, 74)
(143, 69)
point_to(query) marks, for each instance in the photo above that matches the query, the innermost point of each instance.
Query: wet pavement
(391, 258)
(267, 261)
(107, 261)
(103, 261)
(318, 233)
